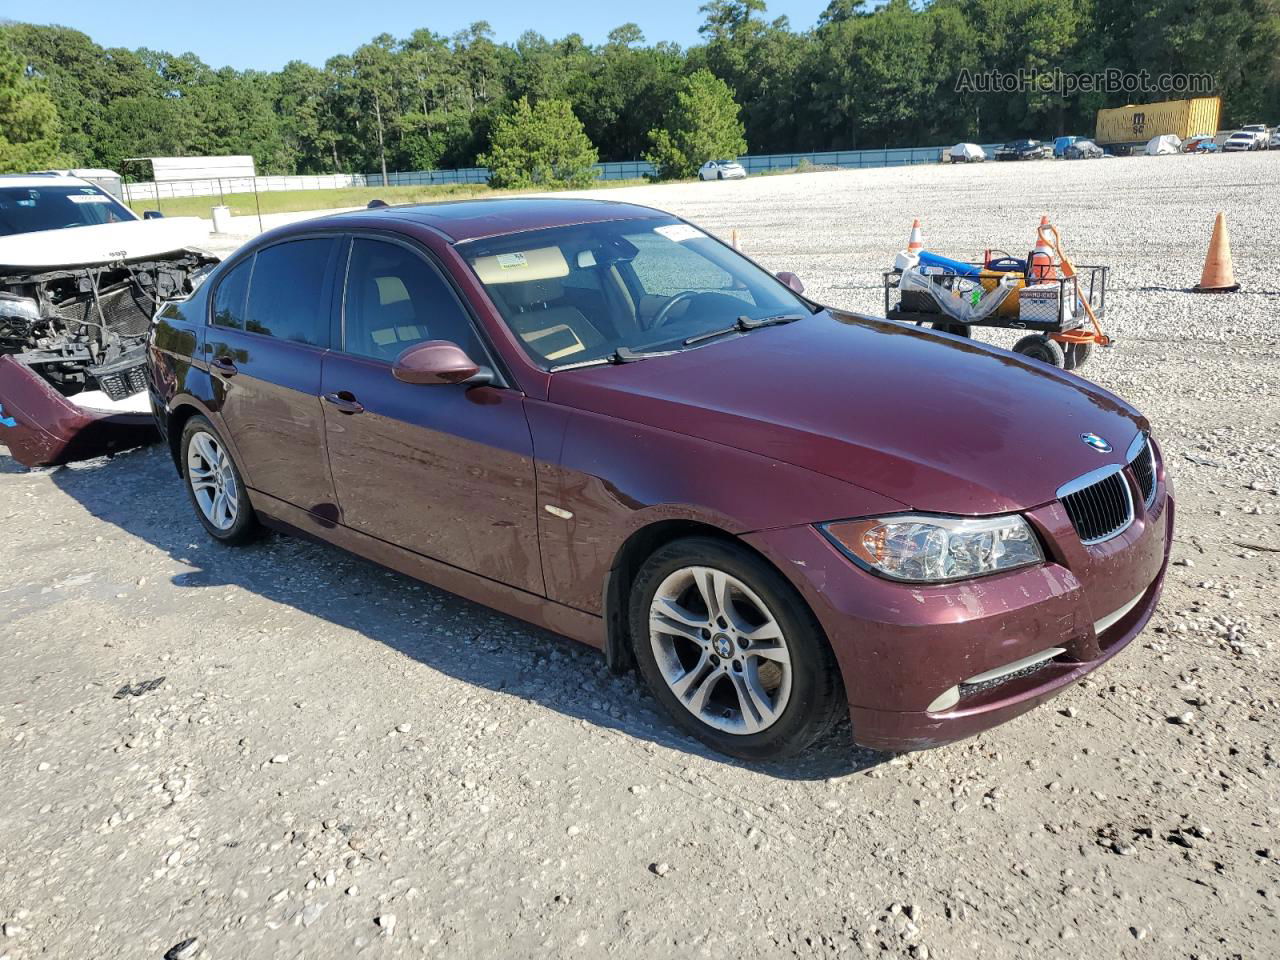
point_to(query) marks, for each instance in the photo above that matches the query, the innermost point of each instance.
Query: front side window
(579, 293)
(394, 299)
(53, 207)
(287, 292)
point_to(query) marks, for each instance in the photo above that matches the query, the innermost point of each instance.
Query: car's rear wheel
(214, 484)
(731, 651)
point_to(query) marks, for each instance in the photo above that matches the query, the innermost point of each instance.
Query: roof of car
(462, 220)
(40, 180)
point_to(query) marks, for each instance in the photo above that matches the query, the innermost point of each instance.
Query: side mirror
(435, 362)
(152, 215)
(791, 280)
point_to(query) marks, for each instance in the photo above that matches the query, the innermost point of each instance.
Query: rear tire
(1039, 347)
(214, 485)
(750, 672)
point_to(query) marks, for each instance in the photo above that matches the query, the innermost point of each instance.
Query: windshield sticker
(508, 261)
(88, 198)
(679, 232)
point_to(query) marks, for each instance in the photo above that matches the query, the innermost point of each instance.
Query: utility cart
(1062, 313)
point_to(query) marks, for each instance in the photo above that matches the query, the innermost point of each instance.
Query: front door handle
(345, 402)
(224, 366)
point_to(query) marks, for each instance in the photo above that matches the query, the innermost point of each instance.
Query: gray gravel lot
(340, 761)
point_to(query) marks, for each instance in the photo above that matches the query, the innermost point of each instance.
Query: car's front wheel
(731, 651)
(214, 484)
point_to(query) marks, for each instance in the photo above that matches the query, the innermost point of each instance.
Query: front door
(445, 471)
(269, 333)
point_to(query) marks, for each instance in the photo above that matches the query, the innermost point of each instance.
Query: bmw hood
(938, 423)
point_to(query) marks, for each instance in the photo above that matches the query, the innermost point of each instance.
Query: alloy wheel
(213, 481)
(720, 650)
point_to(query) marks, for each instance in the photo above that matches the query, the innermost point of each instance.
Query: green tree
(28, 119)
(542, 145)
(703, 125)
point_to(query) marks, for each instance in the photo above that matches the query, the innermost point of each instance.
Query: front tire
(731, 650)
(214, 485)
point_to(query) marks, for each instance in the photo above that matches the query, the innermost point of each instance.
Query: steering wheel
(660, 317)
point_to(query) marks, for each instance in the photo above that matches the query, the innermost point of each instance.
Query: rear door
(446, 470)
(269, 329)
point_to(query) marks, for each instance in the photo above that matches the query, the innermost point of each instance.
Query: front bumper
(43, 428)
(902, 648)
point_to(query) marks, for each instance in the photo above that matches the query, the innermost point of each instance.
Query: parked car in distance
(967, 153)
(1240, 141)
(1260, 134)
(1274, 142)
(1083, 150)
(722, 170)
(1200, 144)
(596, 417)
(1061, 143)
(1165, 145)
(1023, 150)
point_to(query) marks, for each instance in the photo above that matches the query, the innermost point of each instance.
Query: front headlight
(916, 548)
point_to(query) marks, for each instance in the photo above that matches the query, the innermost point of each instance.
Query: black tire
(1039, 347)
(1074, 355)
(816, 696)
(957, 329)
(245, 527)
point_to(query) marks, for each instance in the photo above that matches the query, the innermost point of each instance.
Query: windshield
(582, 293)
(28, 209)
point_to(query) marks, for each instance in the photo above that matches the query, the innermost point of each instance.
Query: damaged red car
(81, 276)
(599, 418)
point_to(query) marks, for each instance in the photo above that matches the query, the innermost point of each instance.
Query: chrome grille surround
(1142, 461)
(1099, 504)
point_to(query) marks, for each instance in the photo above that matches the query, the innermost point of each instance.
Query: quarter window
(394, 299)
(228, 301)
(287, 295)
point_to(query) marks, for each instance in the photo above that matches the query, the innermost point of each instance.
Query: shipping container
(1139, 123)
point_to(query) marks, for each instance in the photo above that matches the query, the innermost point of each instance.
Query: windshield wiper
(620, 355)
(743, 324)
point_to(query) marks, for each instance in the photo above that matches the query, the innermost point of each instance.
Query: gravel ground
(339, 761)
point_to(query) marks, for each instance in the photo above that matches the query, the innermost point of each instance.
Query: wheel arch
(631, 555)
(175, 422)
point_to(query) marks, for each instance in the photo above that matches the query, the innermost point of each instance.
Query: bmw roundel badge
(1097, 442)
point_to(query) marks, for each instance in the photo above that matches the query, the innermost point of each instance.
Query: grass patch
(291, 201)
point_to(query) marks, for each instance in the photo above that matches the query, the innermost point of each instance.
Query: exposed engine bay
(84, 328)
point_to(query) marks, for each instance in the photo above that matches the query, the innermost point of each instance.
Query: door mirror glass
(152, 215)
(434, 362)
(791, 280)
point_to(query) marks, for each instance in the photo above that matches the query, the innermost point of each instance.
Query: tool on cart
(1046, 293)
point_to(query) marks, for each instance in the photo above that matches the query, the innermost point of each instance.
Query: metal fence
(621, 170)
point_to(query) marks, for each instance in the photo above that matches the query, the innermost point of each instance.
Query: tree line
(862, 76)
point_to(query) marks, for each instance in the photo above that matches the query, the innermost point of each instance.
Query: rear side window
(287, 296)
(228, 302)
(395, 299)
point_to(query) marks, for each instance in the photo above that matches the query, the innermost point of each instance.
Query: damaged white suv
(81, 276)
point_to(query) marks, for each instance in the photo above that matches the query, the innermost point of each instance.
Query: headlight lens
(922, 549)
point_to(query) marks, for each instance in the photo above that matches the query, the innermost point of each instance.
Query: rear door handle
(345, 402)
(224, 366)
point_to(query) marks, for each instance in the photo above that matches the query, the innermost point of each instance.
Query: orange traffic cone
(916, 243)
(1217, 276)
(910, 257)
(1040, 266)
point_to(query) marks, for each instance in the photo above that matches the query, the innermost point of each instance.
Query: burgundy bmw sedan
(598, 418)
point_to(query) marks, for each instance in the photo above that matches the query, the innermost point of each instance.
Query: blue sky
(267, 34)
